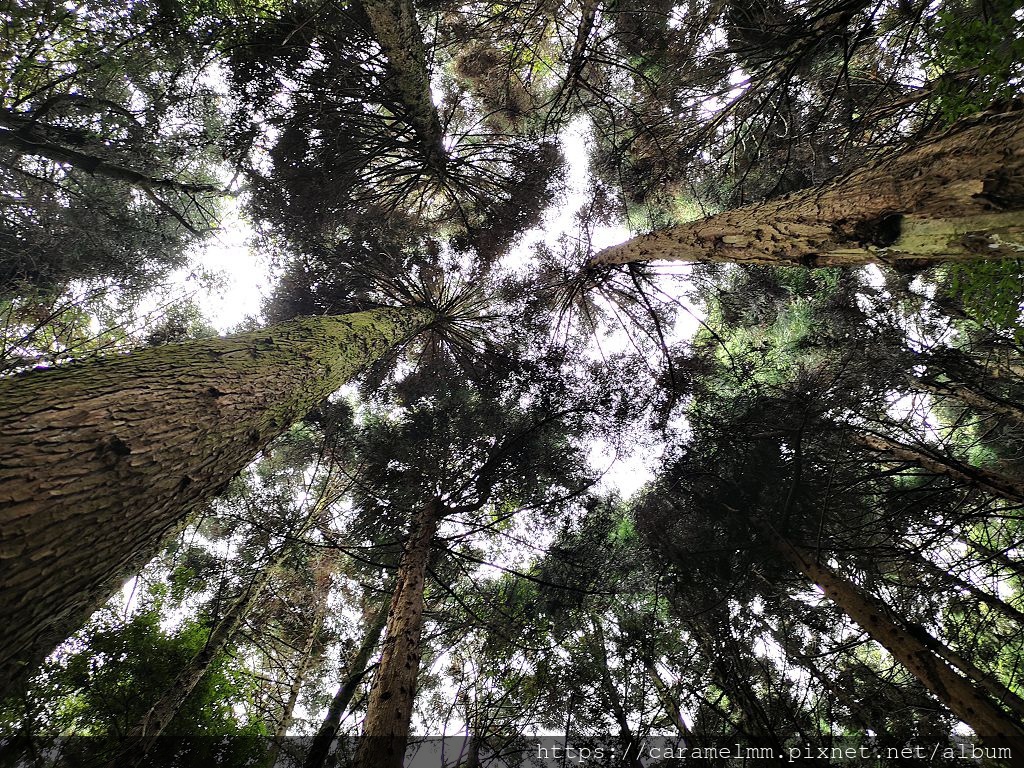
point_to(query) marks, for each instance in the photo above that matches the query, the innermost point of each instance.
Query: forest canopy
(632, 383)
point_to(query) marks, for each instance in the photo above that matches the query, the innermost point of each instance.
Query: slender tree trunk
(100, 461)
(394, 25)
(992, 601)
(631, 748)
(971, 397)
(141, 738)
(96, 166)
(354, 674)
(305, 662)
(983, 479)
(389, 710)
(954, 197)
(667, 699)
(995, 556)
(993, 725)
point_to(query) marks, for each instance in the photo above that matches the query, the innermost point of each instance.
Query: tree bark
(354, 674)
(389, 710)
(983, 479)
(393, 24)
(100, 461)
(955, 197)
(993, 725)
(305, 662)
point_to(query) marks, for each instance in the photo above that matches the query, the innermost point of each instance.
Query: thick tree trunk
(975, 477)
(389, 710)
(100, 461)
(354, 674)
(394, 25)
(993, 725)
(955, 197)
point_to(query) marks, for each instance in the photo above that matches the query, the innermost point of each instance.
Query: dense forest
(636, 384)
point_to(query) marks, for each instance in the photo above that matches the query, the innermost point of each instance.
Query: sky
(244, 280)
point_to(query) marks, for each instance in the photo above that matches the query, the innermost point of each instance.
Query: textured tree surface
(995, 726)
(389, 709)
(956, 197)
(100, 461)
(398, 33)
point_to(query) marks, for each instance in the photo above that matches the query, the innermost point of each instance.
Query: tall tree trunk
(954, 197)
(305, 663)
(993, 725)
(983, 479)
(355, 672)
(667, 698)
(141, 738)
(394, 25)
(630, 747)
(972, 397)
(100, 461)
(389, 710)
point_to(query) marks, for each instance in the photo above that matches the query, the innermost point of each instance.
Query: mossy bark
(394, 25)
(955, 197)
(100, 461)
(389, 709)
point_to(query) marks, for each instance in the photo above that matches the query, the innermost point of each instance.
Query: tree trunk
(667, 698)
(305, 662)
(354, 674)
(955, 197)
(394, 25)
(975, 477)
(389, 710)
(630, 748)
(100, 461)
(141, 738)
(972, 397)
(994, 726)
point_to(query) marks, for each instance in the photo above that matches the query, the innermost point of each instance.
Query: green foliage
(86, 698)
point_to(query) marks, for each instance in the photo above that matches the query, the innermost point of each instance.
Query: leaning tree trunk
(955, 197)
(993, 725)
(389, 710)
(355, 672)
(100, 461)
(307, 659)
(394, 26)
(974, 477)
(142, 737)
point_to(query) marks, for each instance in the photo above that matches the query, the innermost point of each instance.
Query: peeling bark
(389, 710)
(955, 197)
(100, 461)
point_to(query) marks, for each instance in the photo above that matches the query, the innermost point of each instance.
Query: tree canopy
(643, 378)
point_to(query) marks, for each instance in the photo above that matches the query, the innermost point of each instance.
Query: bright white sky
(244, 280)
